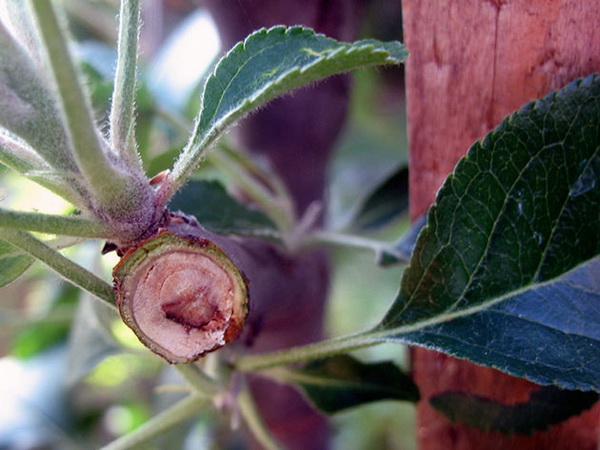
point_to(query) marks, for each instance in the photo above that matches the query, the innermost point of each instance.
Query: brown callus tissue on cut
(182, 295)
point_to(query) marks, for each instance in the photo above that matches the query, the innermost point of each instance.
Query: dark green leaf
(385, 204)
(342, 382)
(12, 263)
(401, 250)
(499, 275)
(271, 62)
(548, 333)
(367, 157)
(217, 211)
(547, 406)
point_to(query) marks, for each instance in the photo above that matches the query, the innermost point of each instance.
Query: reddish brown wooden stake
(472, 62)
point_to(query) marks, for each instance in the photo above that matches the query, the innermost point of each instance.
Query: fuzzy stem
(69, 270)
(19, 156)
(308, 352)
(53, 224)
(27, 108)
(353, 241)
(254, 421)
(188, 161)
(108, 185)
(181, 411)
(202, 383)
(277, 205)
(122, 120)
(379, 334)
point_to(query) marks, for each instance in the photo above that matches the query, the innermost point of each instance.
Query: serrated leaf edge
(263, 33)
(478, 146)
(199, 142)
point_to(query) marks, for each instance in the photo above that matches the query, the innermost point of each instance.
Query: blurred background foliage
(71, 374)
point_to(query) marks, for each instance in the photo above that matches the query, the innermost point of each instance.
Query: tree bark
(472, 62)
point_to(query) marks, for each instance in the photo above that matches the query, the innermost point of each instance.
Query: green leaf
(38, 335)
(341, 382)
(504, 273)
(548, 333)
(368, 155)
(386, 203)
(12, 263)
(267, 64)
(217, 211)
(91, 339)
(546, 406)
(401, 250)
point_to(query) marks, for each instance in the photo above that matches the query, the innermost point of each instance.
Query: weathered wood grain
(472, 62)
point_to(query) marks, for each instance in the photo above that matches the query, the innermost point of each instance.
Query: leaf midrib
(379, 332)
(492, 230)
(213, 125)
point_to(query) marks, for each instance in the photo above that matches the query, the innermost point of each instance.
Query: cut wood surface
(472, 63)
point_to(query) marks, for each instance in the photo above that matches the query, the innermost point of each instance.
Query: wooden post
(472, 62)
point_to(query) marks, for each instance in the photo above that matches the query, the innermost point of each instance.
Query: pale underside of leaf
(516, 223)
(548, 333)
